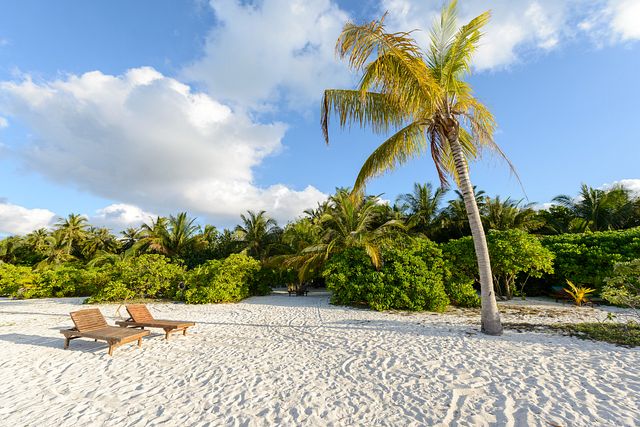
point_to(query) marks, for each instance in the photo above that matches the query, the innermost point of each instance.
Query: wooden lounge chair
(91, 324)
(141, 318)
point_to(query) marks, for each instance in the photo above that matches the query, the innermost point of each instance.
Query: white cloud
(149, 140)
(271, 50)
(633, 185)
(15, 219)
(514, 26)
(625, 18)
(119, 216)
(522, 27)
(3, 122)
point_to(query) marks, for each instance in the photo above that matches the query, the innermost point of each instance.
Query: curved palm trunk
(490, 317)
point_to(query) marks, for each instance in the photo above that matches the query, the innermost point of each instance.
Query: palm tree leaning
(422, 97)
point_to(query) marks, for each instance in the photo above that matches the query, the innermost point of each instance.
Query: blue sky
(120, 109)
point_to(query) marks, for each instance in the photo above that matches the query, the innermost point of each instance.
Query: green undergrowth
(623, 334)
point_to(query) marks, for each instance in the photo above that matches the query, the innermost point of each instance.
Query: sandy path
(282, 360)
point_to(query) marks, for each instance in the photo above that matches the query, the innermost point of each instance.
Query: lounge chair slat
(142, 318)
(91, 324)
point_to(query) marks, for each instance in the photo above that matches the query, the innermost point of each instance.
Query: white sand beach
(293, 361)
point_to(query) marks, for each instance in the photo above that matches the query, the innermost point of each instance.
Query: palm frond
(407, 143)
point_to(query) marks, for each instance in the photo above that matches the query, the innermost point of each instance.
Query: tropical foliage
(410, 279)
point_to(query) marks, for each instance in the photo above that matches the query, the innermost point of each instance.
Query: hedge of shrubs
(589, 258)
(515, 257)
(146, 276)
(411, 278)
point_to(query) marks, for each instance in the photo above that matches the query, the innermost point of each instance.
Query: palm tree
(38, 240)
(509, 214)
(129, 237)
(424, 99)
(421, 206)
(153, 237)
(8, 248)
(257, 233)
(350, 221)
(600, 209)
(99, 240)
(182, 233)
(71, 232)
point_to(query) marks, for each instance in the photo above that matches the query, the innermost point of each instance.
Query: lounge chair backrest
(139, 313)
(88, 320)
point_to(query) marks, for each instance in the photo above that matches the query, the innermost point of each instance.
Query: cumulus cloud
(271, 50)
(15, 219)
(625, 18)
(514, 26)
(149, 140)
(3, 122)
(518, 28)
(633, 185)
(119, 216)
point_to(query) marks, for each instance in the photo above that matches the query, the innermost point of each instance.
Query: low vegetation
(624, 334)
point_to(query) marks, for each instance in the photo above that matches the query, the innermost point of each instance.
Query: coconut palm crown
(421, 98)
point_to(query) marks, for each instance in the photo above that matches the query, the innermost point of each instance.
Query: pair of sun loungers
(90, 323)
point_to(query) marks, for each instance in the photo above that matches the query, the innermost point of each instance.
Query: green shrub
(410, 278)
(461, 292)
(149, 276)
(589, 258)
(146, 276)
(16, 280)
(217, 281)
(514, 255)
(112, 291)
(623, 287)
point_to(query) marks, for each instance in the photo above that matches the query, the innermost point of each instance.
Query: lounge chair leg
(166, 334)
(139, 342)
(110, 350)
(66, 343)
(184, 331)
(95, 340)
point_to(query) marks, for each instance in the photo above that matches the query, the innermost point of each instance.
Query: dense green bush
(15, 279)
(623, 287)
(146, 276)
(589, 258)
(461, 292)
(411, 278)
(67, 280)
(515, 256)
(215, 281)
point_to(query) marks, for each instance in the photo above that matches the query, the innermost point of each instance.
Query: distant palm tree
(154, 236)
(71, 232)
(351, 221)
(424, 98)
(422, 206)
(600, 209)
(39, 240)
(182, 233)
(509, 214)
(8, 248)
(257, 233)
(129, 237)
(99, 240)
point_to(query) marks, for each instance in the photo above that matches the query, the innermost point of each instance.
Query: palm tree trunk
(490, 316)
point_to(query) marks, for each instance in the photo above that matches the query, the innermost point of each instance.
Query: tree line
(305, 244)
